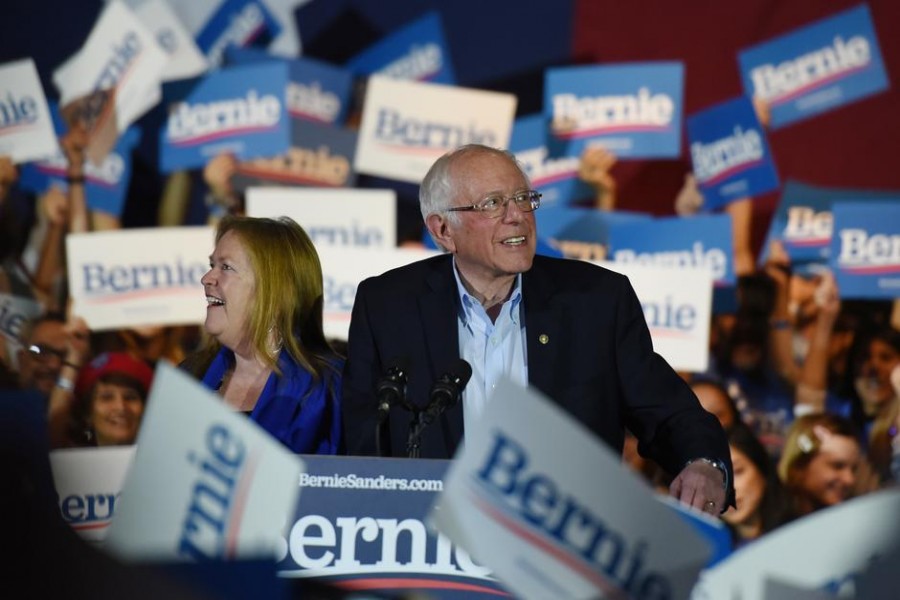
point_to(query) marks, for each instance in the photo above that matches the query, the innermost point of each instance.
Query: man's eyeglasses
(495, 206)
(44, 353)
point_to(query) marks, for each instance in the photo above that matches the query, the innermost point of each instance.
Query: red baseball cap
(113, 362)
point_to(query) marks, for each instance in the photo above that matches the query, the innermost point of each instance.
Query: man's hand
(701, 486)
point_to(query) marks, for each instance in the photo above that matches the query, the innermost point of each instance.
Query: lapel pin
(543, 338)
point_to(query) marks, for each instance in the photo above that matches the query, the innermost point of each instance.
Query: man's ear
(440, 232)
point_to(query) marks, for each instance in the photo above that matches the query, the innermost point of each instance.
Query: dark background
(505, 45)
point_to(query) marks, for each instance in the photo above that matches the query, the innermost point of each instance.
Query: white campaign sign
(88, 482)
(134, 277)
(540, 500)
(207, 482)
(677, 305)
(26, 129)
(121, 54)
(826, 551)
(185, 59)
(407, 125)
(332, 217)
(344, 268)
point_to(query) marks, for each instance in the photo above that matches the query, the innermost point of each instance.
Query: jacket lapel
(542, 326)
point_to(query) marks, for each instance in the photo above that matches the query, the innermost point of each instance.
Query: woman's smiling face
(229, 285)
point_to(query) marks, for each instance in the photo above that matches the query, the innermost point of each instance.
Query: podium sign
(360, 524)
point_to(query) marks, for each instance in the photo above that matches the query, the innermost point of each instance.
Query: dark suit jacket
(596, 360)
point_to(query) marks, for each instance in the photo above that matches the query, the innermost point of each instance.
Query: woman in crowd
(110, 395)
(266, 354)
(820, 461)
(762, 503)
(878, 386)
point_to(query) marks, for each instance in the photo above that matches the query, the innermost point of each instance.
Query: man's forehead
(47, 331)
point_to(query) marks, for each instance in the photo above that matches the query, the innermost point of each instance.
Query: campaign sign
(416, 52)
(236, 22)
(185, 59)
(865, 249)
(407, 125)
(26, 130)
(317, 91)
(817, 68)
(556, 178)
(803, 221)
(105, 184)
(633, 110)
(361, 525)
(89, 482)
(700, 241)
(677, 304)
(113, 80)
(582, 232)
(207, 483)
(320, 156)
(133, 277)
(239, 110)
(805, 553)
(341, 218)
(555, 514)
(345, 268)
(15, 311)
(729, 153)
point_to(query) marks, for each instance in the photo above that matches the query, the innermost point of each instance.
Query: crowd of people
(806, 386)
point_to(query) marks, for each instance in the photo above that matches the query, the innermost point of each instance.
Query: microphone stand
(414, 439)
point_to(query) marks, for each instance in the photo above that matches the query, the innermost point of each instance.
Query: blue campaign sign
(360, 524)
(865, 249)
(417, 52)
(319, 156)
(803, 222)
(238, 110)
(238, 23)
(106, 185)
(678, 242)
(582, 232)
(317, 91)
(556, 178)
(729, 152)
(633, 110)
(817, 68)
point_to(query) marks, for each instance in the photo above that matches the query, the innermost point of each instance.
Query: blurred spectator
(761, 501)
(820, 462)
(43, 353)
(714, 398)
(110, 395)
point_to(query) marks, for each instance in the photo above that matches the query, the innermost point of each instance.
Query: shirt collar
(468, 303)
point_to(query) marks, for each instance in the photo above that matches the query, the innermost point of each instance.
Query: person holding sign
(267, 355)
(573, 330)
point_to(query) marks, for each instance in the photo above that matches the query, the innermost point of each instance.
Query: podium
(360, 525)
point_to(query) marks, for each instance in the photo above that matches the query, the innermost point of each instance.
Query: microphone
(446, 390)
(391, 388)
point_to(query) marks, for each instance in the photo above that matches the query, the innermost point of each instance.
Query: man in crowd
(573, 330)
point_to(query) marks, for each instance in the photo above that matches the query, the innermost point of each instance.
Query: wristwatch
(717, 464)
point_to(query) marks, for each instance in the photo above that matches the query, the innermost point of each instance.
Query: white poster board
(540, 500)
(207, 483)
(135, 277)
(332, 217)
(26, 128)
(677, 305)
(407, 125)
(89, 482)
(345, 268)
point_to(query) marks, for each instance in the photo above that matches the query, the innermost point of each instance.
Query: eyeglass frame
(533, 197)
(43, 352)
